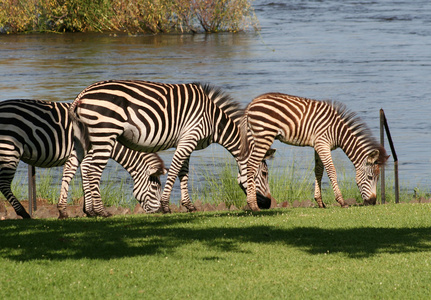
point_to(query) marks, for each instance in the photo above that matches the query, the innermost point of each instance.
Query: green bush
(155, 16)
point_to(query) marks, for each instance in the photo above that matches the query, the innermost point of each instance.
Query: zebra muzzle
(265, 202)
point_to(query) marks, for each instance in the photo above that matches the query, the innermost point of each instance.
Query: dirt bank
(45, 210)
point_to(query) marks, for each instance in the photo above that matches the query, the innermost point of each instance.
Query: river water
(366, 54)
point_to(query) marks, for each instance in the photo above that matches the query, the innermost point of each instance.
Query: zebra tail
(81, 135)
(244, 148)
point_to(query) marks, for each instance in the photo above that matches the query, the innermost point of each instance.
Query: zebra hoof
(24, 215)
(166, 210)
(103, 214)
(106, 214)
(191, 208)
(90, 214)
(63, 215)
(253, 207)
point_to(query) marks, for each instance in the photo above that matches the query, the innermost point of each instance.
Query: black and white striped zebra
(149, 116)
(40, 134)
(323, 125)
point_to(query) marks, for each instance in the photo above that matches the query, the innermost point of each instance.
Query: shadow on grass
(24, 240)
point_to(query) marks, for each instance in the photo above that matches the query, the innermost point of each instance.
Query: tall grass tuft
(220, 187)
(292, 182)
(155, 16)
(114, 192)
(48, 185)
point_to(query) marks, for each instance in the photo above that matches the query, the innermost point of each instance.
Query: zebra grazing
(149, 116)
(40, 134)
(323, 125)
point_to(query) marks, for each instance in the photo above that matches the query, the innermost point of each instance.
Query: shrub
(155, 16)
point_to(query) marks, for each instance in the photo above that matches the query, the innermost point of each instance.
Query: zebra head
(263, 193)
(149, 189)
(367, 175)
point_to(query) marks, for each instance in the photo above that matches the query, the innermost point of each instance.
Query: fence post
(384, 123)
(31, 190)
(382, 170)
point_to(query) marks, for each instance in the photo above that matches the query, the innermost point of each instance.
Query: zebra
(40, 134)
(150, 116)
(324, 125)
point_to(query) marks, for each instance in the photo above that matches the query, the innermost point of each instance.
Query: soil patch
(46, 210)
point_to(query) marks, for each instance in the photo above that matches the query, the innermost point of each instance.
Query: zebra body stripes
(40, 134)
(149, 116)
(323, 125)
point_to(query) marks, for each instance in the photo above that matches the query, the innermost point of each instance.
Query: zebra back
(40, 130)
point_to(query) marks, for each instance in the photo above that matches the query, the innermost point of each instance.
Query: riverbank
(46, 210)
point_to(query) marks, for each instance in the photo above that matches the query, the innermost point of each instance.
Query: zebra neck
(356, 148)
(227, 135)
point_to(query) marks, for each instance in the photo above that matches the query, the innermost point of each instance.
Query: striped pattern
(323, 125)
(149, 116)
(40, 134)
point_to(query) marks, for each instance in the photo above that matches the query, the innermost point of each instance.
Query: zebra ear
(373, 157)
(156, 171)
(270, 153)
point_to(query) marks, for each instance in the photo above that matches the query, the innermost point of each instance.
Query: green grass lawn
(380, 252)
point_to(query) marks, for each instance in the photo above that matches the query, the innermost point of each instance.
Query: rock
(208, 207)
(174, 208)
(273, 203)
(138, 209)
(44, 213)
(296, 203)
(123, 210)
(112, 210)
(285, 204)
(77, 212)
(182, 209)
(222, 206)
(233, 208)
(350, 201)
(307, 203)
(198, 205)
(3, 210)
(11, 214)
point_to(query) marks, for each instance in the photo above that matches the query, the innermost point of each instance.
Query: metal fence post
(384, 123)
(31, 190)
(382, 170)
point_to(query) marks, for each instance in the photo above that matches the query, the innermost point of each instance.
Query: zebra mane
(223, 101)
(358, 127)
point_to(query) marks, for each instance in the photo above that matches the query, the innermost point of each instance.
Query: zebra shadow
(27, 240)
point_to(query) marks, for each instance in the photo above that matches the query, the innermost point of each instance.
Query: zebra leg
(184, 178)
(7, 173)
(99, 160)
(318, 171)
(69, 171)
(324, 153)
(182, 153)
(85, 173)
